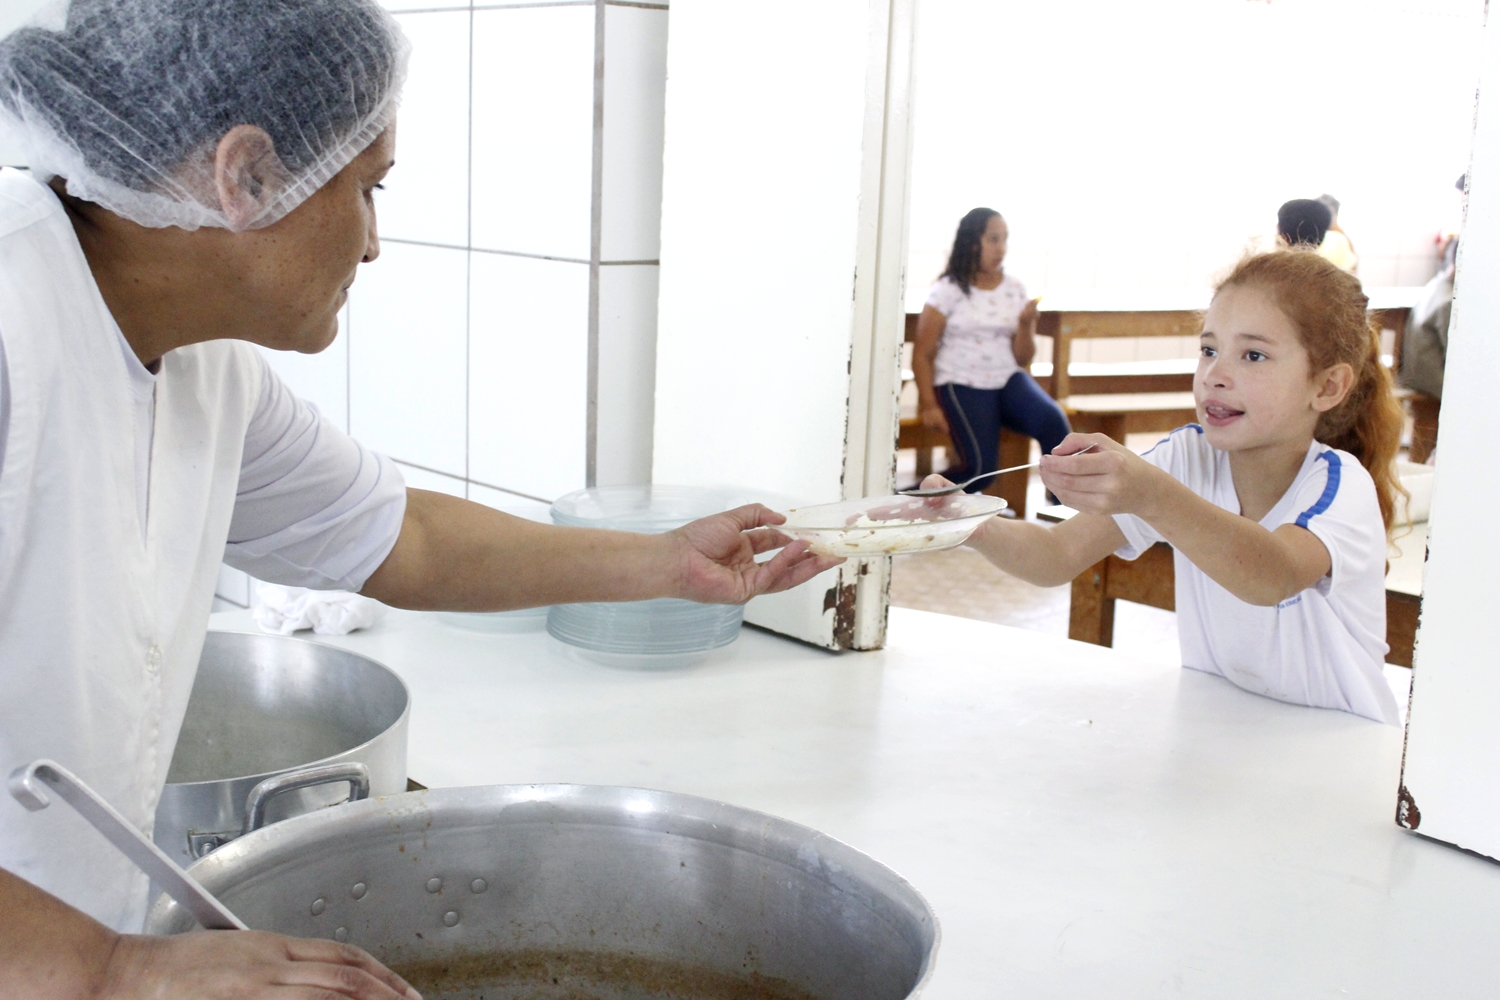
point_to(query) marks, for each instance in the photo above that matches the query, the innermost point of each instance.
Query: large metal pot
(553, 891)
(301, 724)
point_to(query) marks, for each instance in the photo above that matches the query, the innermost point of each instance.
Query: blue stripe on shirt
(1330, 489)
(1169, 437)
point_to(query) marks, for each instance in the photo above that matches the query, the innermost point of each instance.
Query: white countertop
(1085, 825)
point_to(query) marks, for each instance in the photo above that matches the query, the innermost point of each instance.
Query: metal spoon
(24, 785)
(942, 491)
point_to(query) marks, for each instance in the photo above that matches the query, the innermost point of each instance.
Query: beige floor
(962, 582)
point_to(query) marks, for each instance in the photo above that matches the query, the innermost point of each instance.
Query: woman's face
(992, 244)
(298, 271)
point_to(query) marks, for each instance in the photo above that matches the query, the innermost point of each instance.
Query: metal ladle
(24, 785)
(942, 491)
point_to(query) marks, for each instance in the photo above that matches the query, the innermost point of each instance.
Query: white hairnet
(128, 100)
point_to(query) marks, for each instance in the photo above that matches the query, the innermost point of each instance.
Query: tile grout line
(467, 481)
(469, 276)
(502, 253)
(596, 241)
(648, 4)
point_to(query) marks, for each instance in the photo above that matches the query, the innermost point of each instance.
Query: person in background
(1336, 245)
(1424, 349)
(975, 338)
(1302, 221)
(1277, 504)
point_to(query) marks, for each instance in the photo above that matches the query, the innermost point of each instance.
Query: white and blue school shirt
(977, 349)
(1324, 647)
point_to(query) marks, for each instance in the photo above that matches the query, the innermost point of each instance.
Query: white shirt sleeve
(315, 508)
(1337, 503)
(1165, 455)
(945, 296)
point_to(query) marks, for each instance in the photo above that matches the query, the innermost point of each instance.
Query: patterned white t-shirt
(976, 347)
(1323, 647)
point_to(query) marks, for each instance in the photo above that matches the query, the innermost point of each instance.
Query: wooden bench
(1152, 580)
(1015, 449)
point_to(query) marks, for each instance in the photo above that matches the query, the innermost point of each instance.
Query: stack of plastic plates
(643, 634)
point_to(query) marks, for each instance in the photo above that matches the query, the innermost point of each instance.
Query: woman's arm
(1256, 565)
(460, 556)
(1024, 343)
(50, 951)
(930, 326)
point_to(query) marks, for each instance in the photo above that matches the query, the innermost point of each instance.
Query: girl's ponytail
(1367, 424)
(1330, 311)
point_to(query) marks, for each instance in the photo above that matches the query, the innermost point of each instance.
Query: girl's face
(1255, 387)
(992, 244)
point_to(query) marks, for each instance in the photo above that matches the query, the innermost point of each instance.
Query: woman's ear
(1332, 385)
(248, 175)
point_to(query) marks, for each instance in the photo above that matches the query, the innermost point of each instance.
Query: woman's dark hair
(1303, 220)
(963, 260)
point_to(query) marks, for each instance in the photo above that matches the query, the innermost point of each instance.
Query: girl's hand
(1111, 479)
(934, 419)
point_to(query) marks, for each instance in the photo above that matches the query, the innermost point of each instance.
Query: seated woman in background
(975, 338)
(1276, 505)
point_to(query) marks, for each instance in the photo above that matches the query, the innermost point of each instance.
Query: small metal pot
(300, 724)
(553, 891)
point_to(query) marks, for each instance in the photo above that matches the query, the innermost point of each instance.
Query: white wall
(14, 14)
(1452, 766)
(465, 353)
(1143, 144)
(765, 106)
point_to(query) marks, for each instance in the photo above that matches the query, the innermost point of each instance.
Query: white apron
(100, 630)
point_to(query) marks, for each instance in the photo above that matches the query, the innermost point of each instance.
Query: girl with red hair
(1277, 502)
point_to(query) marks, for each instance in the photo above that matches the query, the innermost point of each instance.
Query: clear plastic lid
(650, 509)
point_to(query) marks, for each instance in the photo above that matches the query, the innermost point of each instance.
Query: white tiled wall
(462, 353)
(533, 130)
(528, 373)
(635, 81)
(408, 351)
(427, 195)
(464, 350)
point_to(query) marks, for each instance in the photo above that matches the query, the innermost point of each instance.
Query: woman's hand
(1023, 344)
(1111, 479)
(933, 418)
(716, 556)
(246, 965)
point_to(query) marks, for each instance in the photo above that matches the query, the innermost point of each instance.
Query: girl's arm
(1046, 555)
(1024, 344)
(930, 325)
(1256, 565)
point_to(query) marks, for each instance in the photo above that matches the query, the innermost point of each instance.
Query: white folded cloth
(284, 610)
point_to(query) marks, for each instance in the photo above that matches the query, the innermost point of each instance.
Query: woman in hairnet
(201, 177)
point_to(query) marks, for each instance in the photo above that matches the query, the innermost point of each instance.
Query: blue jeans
(975, 417)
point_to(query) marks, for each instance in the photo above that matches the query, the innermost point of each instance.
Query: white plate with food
(885, 526)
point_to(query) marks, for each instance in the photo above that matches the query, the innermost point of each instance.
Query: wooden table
(1151, 580)
(1066, 317)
